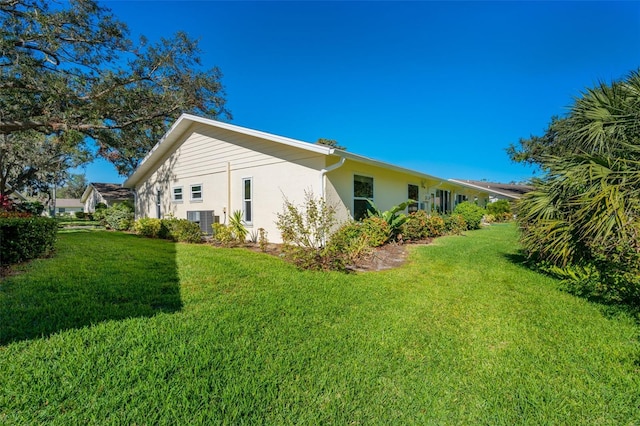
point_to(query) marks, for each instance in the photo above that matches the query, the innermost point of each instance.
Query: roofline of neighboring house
(471, 185)
(85, 194)
(18, 194)
(182, 124)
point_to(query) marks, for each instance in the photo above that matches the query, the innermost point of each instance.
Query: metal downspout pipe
(323, 172)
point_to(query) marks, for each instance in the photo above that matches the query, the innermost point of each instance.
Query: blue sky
(439, 87)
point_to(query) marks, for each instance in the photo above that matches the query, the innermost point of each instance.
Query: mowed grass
(462, 334)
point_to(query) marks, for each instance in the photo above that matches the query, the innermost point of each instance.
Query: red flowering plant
(9, 209)
(6, 205)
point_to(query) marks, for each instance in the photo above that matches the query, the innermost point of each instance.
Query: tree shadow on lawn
(92, 277)
(608, 308)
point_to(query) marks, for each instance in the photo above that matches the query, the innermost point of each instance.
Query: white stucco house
(204, 169)
(66, 206)
(106, 193)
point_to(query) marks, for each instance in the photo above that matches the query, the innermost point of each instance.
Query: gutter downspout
(228, 209)
(136, 210)
(323, 172)
(323, 183)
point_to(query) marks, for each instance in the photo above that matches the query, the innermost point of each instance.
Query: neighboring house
(67, 206)
(15, 195)
(497, 191)
(203, 170)
(107, 193)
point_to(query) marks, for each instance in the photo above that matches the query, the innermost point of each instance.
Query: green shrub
(222, 234)
(455, 224)
(489, 218)
(415, 228)
(375, 230)
(305, 230)
(80, 215)
(346, 246)
(505, 217)
(471, 213)
(435, 226)
(99, 212)
(394, 217)
(263, 241)
(148, 227)
(186, 232)
(308, 225)
(170, 228)
(24, 238)
(34, 207)
(167, 226)
(237, 226)
(499, 207)
(119, 217)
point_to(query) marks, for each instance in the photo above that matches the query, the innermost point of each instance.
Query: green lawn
(118, 329)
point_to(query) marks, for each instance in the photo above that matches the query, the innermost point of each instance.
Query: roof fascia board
(86, 192)
(493, 191)
(389, 166)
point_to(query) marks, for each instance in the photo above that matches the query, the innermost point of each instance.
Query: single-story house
(107, 193)
(497, 191)
(15, 195)
(204, 170)
(67, 206)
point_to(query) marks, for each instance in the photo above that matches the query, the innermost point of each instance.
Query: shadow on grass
(93, 277)
(518, 258)
(608, 308)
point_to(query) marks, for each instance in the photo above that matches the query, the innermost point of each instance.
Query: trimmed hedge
(169, 229)
(24, 238)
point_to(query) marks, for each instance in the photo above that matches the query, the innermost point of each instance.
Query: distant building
(497, 191)
(107, 193)
(67, 206)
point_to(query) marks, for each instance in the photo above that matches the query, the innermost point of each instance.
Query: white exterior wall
(218, 160)
(390, 188)
(92, 200)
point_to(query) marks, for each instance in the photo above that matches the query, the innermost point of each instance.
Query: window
(362, 191)
(158, 203)
(247, 200)
(460, 198)
(193, 217)
(443, 201)
(413, 194)
(177, 194)
(196, 192)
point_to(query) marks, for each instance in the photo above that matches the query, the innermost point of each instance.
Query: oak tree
(70, 68)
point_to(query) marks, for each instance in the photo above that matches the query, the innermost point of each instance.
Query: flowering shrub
(5, 203)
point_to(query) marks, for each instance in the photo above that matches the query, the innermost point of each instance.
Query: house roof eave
(489, 190)
(183, 123)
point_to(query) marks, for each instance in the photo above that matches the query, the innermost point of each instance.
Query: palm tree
(587, 207)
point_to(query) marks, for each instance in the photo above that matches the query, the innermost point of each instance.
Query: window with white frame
(177, 194)
(196, 192)
(362, 191)
(247, 200)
